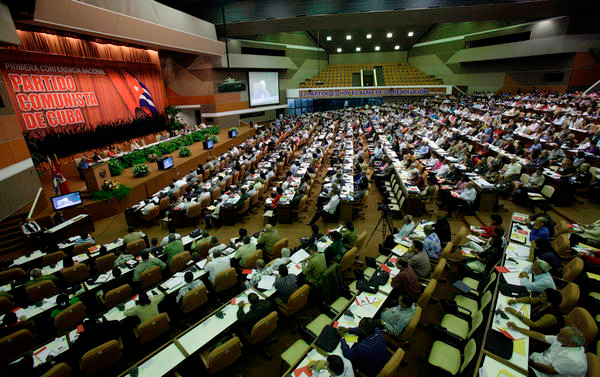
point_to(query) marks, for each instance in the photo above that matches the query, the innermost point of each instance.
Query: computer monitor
(65, 201)
(209, 143)
(165, 163)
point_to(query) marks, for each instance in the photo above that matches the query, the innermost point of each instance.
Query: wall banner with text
(52, 91)
(369, 92)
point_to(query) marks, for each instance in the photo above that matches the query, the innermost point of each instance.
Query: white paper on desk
(47, 304)
(299, 256)
(148, 363)
(512, 278)
(43, 354)
(266, 282)
(179, 274)
(475, 239)
(202, 263)
(483, 372)
(519, 251)
(173, 282)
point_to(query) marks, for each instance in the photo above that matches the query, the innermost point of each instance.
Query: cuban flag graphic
(142, 94)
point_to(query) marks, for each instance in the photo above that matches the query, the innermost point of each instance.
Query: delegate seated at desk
(335, 365)
(190, 284)
(145, 264)
(369, 354)
(245, 251)
(542, 279)
(174, 247)
(94, 334)
(146, 308)
(216, 264)
(564, 358)
(259, 309)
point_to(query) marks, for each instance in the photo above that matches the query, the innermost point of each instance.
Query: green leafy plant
(111, 189)
(115, 167)
(172, 123)
(141, 170)
(185, 152)
(152, 157)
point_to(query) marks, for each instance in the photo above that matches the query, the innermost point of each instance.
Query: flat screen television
(232, 133)
(208, 143)
(65, 201)
(165, 163)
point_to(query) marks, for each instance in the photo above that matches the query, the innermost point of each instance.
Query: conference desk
(73, 226)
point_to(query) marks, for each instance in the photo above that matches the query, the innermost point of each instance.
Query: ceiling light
(348, 37)
(358, 49)
(339, 49)
(410, 33)
(396, 47)
(369, 36)
(389, 35)
(377, 48)
(329, 37)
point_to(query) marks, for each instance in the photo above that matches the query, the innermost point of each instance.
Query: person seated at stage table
(405, 283)
(132, 236)
(244, 251)
(418, 259)
(259, 309)
(542, 279)
(97, 157)
(395, 319)
(564, 358)
(135, 145)
(370, 354)
(145, 264)
(268, 238)
(146, 307)
(112, 151)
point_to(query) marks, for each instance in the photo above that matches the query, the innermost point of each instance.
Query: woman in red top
(489, 230)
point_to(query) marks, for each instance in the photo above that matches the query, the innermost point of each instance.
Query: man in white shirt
(165, 239)
(216, 264)
(512, 170)
(334, 366)
(564, 358)
(148, 207)
(328, 208)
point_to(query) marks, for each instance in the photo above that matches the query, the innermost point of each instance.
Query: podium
(95, 176)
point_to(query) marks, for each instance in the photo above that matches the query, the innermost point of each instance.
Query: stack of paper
(266, 282)
(299, 256)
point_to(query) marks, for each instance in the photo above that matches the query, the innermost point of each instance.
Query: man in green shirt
(173, 248)
(259, 309)
(314, 266)
(37, 276)
(335, 251)
(269, 237)
(349, 234)
(245, 251)
(132, 236)
(145, 264)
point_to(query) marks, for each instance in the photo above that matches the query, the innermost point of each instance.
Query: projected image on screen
(66, 201)
(263, 88)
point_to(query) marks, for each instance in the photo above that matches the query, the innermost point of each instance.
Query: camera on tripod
(382, 207)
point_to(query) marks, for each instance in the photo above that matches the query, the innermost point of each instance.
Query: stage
(141, 187)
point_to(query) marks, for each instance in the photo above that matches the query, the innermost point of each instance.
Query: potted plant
(115, 167)
(185, 151)
(141, 170)
(173, 123)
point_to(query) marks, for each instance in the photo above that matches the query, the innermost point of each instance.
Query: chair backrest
(53, 258)
(100, 357)
(427, 293)
(360, 240)
(82, 248)
(223, 355)
(460, 236)
(570, 296)
(10, 275)
(105, 263)
(150, 277)
(548, 191)
(205, 202)
(245, 207)
(194, 299)
(582, 319)
(39, 290)
(135, 247)
(276, 250)
(485, 299)
(225, 279)
(439, 269)
(469, 353)
(6, 305)
(206, 175)
(475, 322)
(348, 259)
(179, 261)
(252, 258)
(254, 199)
(194, 211)
(164, 203)
(593, 365)
(203, 248)
(572, 269)
(412, 325)
(117, 296)
(390, 368)
(75, 274)
(153, 328)
(562, 245)
(152, 214)
(15, 344)
(70, 317)
(263, 328)
(59, 370)
(297, 300)
(216, 193)
(561, 227)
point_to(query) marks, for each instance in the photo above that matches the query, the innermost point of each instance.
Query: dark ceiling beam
(538, 9)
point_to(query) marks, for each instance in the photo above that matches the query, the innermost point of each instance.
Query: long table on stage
(73, 226)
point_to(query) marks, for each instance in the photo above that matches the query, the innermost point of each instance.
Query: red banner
(49, 91)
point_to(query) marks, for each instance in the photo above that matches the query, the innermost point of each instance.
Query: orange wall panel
(232, 106)
(190, 100)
